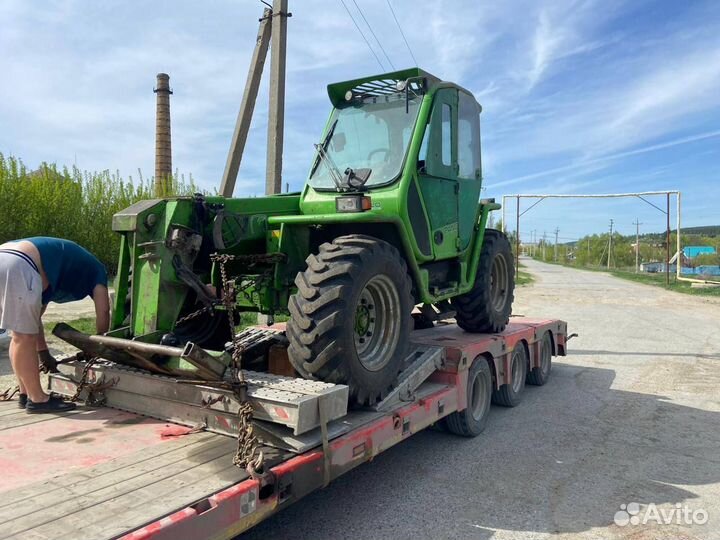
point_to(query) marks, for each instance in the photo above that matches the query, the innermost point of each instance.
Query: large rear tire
(350, 319)
(487, 306)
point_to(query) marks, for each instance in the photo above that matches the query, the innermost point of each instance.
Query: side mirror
(357, 178)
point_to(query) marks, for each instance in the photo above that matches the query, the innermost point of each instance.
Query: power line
(363, 35)
(401, 32)
(373, 33)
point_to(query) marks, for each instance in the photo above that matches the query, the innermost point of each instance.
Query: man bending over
(34, 272)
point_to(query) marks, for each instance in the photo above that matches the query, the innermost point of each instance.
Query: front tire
(350, 319)
(487, 306)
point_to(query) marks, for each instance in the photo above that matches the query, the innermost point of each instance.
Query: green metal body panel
(443, 208)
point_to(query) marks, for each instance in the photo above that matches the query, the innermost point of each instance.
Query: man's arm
(102, 308)
(41, 343)
(48, 364)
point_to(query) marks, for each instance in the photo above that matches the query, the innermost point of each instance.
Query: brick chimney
(163, 149)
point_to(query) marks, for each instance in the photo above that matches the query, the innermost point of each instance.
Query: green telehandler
(389, 219)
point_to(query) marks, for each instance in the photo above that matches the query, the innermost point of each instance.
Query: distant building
(693, 251)
(652, 267)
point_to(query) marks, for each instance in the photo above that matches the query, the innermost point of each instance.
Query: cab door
(438, 174)
(469, 175)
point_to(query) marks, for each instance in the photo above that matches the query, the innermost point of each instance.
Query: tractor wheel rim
(517, 374)
(478, 397)
(498, 283)
(377, 310)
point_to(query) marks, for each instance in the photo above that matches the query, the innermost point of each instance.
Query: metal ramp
(287, 411)
(421, 363)
(281, 400)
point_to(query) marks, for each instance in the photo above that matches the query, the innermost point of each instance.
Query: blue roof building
(693, 251)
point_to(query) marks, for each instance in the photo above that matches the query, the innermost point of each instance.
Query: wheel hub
(499, 285)
(377, 310)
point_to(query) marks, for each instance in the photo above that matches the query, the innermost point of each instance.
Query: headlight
(354, 203)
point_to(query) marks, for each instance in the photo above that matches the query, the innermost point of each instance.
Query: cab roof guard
(384, 84)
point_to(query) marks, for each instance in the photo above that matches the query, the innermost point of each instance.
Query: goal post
(639, 194)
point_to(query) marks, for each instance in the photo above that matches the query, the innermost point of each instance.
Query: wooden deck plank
(176, 493)
(23, 501)
(66, 444)
(64, 517)
(12, 404)
(26, 419)
(4, 413)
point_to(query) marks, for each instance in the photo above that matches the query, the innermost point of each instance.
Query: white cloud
(568, 87)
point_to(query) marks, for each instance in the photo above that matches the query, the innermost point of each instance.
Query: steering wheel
(377, 150)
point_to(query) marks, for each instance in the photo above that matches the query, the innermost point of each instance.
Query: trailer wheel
(510, 394)
(350, 319)
(471, 421)
(539, 375)
(487, 306)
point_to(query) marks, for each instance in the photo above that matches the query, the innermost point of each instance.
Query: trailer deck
(105, 473)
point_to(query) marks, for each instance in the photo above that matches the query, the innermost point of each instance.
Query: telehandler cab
(389, 218)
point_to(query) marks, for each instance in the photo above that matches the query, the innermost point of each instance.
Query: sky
(578, 96)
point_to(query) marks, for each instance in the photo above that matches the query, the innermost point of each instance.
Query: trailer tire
(540, 375)
(510, 394)
(471, 421)
(350, 319)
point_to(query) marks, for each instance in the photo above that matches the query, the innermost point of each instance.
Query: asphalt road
(631, 415)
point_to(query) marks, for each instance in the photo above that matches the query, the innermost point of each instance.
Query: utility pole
(557, 230)
(276, 116)
(637, 245)
(163, 148)
(610, 244)
(544, 246)
(247, 106)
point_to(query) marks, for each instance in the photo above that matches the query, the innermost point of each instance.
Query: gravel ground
(630, 416)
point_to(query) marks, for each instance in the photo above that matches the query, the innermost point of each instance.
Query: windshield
(372, 133)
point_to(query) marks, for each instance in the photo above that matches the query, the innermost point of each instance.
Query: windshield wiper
(324, 145)
(332, 168)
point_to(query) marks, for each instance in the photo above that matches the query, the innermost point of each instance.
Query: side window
(446, 135)
(440, 144)
(468, 137)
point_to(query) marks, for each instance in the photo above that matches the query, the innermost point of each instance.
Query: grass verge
(658, 280)
(86, 325)
(524, 278)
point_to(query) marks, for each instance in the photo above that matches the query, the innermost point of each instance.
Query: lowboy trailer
(105, 473)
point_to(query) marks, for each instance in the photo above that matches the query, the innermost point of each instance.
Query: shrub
(72, 204)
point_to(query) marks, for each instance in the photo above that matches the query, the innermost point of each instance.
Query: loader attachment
(190, 361)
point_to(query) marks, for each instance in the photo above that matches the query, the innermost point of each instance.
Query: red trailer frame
(240, 507)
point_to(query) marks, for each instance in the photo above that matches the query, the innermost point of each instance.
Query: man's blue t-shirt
(72, 271)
